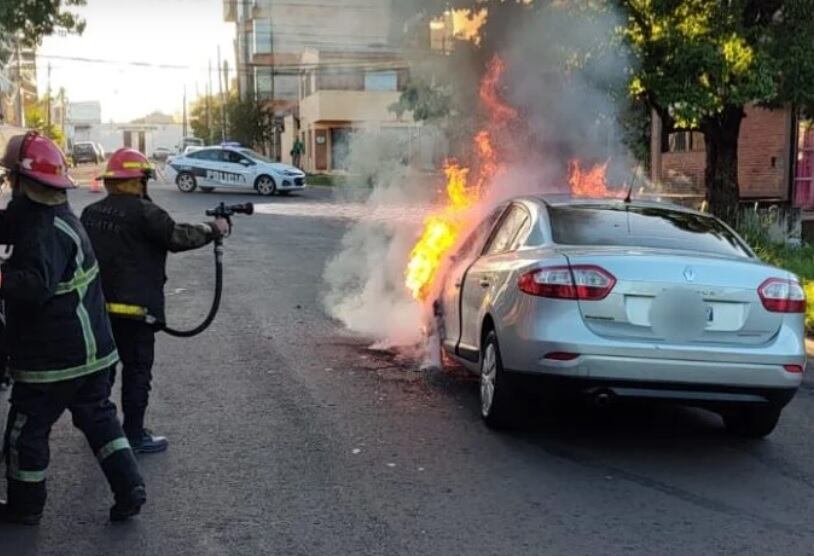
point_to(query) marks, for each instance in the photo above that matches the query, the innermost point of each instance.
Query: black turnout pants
(34, 410)
(136, 344)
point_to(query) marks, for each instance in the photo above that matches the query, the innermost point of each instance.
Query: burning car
(615, 299)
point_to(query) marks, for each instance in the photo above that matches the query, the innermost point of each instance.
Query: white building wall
(111, 135)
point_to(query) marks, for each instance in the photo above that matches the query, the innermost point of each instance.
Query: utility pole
(209, 105)
(222, 100)
(48, 101)
(184, 114)
(20, 109)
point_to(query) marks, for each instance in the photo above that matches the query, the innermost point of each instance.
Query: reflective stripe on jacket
(57, 327)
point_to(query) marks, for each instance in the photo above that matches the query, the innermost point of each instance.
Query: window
(233, 157)
(381, 81)
(631, 226)
(685, 141)
(262, 83)
(212, 155)
(804, 165)
(261, 31)
(503, 238)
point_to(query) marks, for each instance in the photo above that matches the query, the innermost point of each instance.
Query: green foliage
(425, 101)
(698, 57)
(248, 122)
(34, 19)
(35, 118)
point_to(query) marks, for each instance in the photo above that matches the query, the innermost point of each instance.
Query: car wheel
(752, 422)
(207, 189)
(186, 182)
(496, 393)
(265, 186)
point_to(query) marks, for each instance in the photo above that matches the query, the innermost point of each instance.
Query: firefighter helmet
(38, 158)
(126, 164)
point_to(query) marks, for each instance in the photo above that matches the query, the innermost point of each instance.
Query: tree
(34, 19)
(701, 62)
(35, 119)
(248, 121)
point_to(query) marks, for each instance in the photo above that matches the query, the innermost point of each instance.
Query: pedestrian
(132, 236)
(61, 348)
(297, 151)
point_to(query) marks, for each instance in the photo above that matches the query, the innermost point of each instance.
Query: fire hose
(226, 212)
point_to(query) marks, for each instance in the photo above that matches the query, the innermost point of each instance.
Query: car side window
(208, 154)
(233, 157)
(474, 243)
(503, 237)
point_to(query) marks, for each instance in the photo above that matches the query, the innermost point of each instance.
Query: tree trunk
(721, 174)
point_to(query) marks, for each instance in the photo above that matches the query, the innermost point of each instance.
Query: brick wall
(763, 158)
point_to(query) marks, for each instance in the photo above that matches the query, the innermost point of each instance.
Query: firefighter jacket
(56, 325)
(131, 236)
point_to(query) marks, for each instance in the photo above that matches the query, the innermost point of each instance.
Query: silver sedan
(612, 300)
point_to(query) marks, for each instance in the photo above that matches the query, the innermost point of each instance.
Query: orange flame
(588, 183)
(442, 228)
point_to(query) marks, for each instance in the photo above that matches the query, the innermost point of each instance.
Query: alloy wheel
(487, 379)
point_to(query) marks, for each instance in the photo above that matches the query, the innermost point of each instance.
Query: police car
(234, 167)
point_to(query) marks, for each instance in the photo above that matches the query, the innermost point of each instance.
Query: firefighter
(132, 236)
(61, 348)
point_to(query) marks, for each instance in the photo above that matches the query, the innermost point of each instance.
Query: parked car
(235, 167)
(85, 151)
(161, 154)
(614, 300)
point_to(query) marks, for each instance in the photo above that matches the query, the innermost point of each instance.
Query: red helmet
(127, 164)
(38, 158)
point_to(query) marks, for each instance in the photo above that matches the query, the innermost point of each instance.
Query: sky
(167, 32)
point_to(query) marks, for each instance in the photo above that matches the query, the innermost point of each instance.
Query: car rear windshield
(632, 226)
(83, 148)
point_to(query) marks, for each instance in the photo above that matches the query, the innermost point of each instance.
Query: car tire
(186, 182)
(207, 189)
(265, 186)
(752, 422)
(496, 391)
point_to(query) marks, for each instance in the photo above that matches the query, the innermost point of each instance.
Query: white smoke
(565, 112)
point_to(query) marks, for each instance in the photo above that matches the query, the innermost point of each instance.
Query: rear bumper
(707, 395)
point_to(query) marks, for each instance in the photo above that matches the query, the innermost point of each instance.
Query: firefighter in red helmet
(58, 335)
(132, 236)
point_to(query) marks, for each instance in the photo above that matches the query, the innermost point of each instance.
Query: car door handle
(484, 283)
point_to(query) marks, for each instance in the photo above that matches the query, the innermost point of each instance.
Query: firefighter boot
(128, 505)
(7, 515)
(147, 443)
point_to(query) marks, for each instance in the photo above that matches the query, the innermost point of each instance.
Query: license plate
(710, 314)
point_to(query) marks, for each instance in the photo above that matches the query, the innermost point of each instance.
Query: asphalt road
(289, 437)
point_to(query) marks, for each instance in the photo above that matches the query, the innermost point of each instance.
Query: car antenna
(629, 194)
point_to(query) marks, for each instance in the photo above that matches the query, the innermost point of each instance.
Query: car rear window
(84, 148)
(633, 226)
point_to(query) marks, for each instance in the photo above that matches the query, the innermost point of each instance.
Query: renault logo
(689, 274)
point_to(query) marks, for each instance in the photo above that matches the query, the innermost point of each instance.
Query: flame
(441, 230)
(443, 227)
(588, 183)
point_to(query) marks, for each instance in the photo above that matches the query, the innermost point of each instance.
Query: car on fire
(234, 167)
(616, 300)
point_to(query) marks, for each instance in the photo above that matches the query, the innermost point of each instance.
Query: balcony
(349, 106)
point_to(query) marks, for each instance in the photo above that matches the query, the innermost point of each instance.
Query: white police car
(234, 167)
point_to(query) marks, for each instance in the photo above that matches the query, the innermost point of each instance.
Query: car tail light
(585, 282)
(782, 296)
(796, 369)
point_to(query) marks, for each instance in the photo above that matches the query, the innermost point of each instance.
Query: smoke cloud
(564, 76)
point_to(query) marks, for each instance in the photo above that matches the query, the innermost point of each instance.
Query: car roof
(565, 200)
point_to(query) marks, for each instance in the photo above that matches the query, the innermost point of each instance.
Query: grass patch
(326, 180)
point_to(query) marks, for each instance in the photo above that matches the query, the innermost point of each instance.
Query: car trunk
(678, 297)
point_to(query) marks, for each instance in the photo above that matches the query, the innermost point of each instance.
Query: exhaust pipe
(603, 398)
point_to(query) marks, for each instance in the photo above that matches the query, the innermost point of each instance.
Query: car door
(460, 262)
(237, 170)
(486, 275)
(203, 164)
